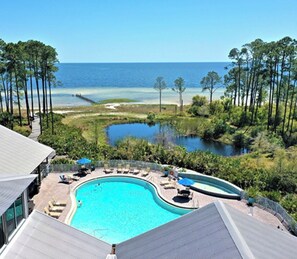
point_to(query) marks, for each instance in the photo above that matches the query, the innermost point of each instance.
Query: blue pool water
(120, 208)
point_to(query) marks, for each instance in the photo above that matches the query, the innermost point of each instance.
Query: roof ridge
(17, 177)
(234, 232)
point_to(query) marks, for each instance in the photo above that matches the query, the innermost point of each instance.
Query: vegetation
(22, 65)
(159, 86)
(117, 100)
(264, 75)
(258, 111)
(210, 83)
(179, 87)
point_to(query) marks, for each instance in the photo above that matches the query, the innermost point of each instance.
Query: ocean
(101, 81)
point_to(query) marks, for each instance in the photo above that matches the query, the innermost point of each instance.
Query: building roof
(19, 154)
(44, 237)
(214, 231)
(263, 240)
(11, 188)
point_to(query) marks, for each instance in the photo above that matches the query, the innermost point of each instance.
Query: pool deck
(52, 188)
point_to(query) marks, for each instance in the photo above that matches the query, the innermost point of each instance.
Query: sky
(147, 30)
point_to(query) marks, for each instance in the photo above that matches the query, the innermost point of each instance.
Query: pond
(166, 135)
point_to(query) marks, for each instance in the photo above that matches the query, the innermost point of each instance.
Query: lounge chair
(73, 177)
(119, 169)
(65, 179)
(127, 169)
(106, 169)
(169, 186)
(165, 182)
(145, 172)
(58, 203)
(135, 171)
(52, 214)
(53, 208)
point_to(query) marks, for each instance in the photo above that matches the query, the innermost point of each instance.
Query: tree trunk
(291, 106)
(51, 105)
(18, 98)
(181, 102)
(286, 100)
(160, 96)
(31, 90)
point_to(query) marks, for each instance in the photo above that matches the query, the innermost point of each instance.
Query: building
(20, 155)
(214, 231)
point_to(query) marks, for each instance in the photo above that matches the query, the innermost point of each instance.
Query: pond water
(166, 135)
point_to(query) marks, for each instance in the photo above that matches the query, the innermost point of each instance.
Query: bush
(151, 117)
(239, 140)
(290, 203)
(220, 127)
(199, 100)
(208, 133)
(273, 195)
(216, 107)
(62, 160)
(199, 111)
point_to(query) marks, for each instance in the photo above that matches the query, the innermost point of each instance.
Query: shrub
(62, 160)
(220, 127)
(199, 100)
(239, 140)
(216, 107)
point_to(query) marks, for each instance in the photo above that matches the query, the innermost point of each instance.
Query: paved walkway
(52, 188)
(35, 128)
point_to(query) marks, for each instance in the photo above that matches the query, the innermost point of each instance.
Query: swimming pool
(212, 185)
(115, 209)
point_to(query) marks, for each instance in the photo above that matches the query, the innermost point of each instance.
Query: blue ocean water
(100, 81)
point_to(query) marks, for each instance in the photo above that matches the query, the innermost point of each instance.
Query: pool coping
(73, 190)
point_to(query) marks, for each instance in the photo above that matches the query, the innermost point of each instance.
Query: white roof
(44, 237)
(19, 154)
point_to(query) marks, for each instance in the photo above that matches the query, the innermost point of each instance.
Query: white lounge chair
(52, 214)
(169, 186)
(127, 169)
(106, 169)
(59, 203)
(145, 172)
(53, 208)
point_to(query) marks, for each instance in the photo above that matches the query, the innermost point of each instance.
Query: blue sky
(146, 30)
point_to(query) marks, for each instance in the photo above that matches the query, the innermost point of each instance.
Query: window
(14, 215)
(19, 210)
(10, 220)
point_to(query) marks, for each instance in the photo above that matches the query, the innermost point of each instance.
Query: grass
(118, 100)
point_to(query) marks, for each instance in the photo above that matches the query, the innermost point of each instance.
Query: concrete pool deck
(52, 188)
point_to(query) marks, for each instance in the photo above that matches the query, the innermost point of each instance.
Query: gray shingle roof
(44, 237)
(19, 154)
(263, 240)
(214, 231)
(199, 234)
(11, 188)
